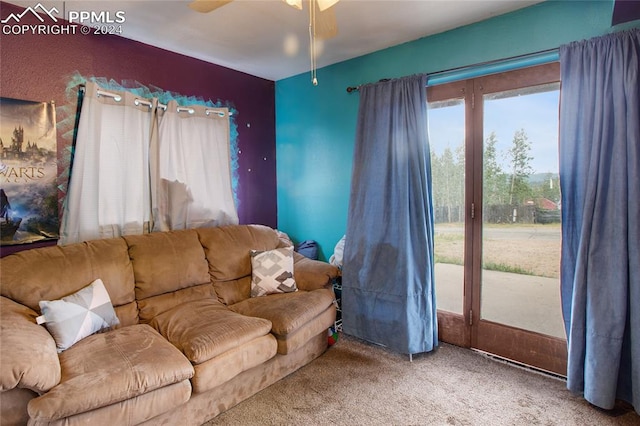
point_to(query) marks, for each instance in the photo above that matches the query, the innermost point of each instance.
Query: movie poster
(28, 172)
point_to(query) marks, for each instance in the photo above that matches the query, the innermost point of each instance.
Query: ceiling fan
(322, 18)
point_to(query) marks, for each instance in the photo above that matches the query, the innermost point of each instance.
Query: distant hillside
(537, 178)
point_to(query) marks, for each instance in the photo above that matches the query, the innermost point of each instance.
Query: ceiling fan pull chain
(312, 40)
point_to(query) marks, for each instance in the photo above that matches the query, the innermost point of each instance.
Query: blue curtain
(388, 296)
(600, 180)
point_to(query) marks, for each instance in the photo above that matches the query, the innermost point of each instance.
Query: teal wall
(315, 126)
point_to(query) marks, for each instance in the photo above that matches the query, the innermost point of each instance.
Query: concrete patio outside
(524, 301)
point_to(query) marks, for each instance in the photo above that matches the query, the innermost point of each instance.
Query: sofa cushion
(51, 273)
(13, 406)
(291, 342)
(206, 328)
(167, 267)
(154, 306)
(78, 315)
(289, 311)
(233, 291)
(111, 367)
(227, 248)
(164, 262)
(272, 272)
(226, 366)
(28, 354)
(312, 274)
(132, 411)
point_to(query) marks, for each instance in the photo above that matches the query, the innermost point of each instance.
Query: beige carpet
(355, 383)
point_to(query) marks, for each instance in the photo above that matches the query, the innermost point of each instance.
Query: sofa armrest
(312, 274)
(28, 353)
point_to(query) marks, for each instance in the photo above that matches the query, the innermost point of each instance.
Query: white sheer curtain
(138, 168)
(193, 178)
(109, 192)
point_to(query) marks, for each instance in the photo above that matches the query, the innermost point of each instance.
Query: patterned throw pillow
(272, 272)
(78, 315)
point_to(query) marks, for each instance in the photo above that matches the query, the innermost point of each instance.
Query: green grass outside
(449, 248)
(488, 266)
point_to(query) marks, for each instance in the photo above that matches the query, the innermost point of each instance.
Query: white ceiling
(269, 39)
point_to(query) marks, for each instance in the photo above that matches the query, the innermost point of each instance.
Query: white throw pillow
(78, 315)
(272, 272)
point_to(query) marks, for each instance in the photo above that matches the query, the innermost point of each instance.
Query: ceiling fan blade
(326, 4)
(206, 6)
(295, 3)
(326, 23)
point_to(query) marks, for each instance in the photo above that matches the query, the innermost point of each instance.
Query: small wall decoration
(28, 172)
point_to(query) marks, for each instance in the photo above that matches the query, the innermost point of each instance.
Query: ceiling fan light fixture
(326, 4)
(205, 6)
(295, 3)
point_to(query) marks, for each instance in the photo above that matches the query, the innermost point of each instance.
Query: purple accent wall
(38, 68)
(625, 11)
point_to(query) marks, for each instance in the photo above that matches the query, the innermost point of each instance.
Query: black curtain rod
(356, 88)
(480, 64)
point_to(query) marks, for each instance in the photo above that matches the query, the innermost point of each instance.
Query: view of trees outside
(516, 178)
(521, 207)
(446, 141)
(521, 234)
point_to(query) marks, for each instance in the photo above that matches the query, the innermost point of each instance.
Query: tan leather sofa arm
(27, 351)
(312, 274)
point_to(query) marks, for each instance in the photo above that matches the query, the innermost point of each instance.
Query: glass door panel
(494, 158)
(521, 234)
(447, 142)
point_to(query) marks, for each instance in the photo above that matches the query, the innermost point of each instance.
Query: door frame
(469, 329)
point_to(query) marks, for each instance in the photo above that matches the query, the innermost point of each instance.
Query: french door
(496, 195)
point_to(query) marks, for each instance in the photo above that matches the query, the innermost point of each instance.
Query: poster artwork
(28, 172)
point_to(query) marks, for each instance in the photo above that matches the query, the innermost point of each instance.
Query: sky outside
(536, 113)
(32, 117)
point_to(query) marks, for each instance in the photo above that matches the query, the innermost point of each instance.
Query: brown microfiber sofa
(191, 341)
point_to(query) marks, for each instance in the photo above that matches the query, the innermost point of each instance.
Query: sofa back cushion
(169, 268)
(227, 250)
(51, 273)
